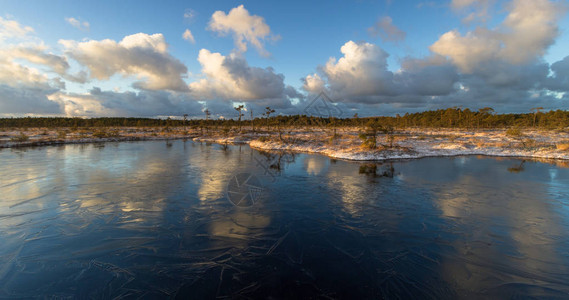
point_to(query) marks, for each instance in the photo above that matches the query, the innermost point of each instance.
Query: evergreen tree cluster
(442, 118)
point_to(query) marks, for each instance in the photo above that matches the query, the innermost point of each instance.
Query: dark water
(153, 220)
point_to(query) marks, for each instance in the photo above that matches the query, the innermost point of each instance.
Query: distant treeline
(442, 118)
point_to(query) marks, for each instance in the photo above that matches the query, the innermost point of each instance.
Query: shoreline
(31, 144)
(405, 144)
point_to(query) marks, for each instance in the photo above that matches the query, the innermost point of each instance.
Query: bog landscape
(284, 150)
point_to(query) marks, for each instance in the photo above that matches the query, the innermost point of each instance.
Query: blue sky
(387, 56)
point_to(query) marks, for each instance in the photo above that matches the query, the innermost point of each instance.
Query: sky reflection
(152, 219)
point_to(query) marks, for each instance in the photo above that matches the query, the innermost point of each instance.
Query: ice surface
(151, 220)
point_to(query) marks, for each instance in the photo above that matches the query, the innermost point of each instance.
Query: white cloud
(361, 71)
(10, 29)
(231, 78)
(24, 45)
(502, 67)
(528, 30)
(141, 55)
(188, 36)
(475, 9)
(78, 24)
(362, 75)
(245, 28)
(25, 90)
(17, 75)
(37, 54)
(385, 29)
(313, 83)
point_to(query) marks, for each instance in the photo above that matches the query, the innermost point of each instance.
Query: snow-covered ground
(45, 137)
(409, 143)
(417, 143)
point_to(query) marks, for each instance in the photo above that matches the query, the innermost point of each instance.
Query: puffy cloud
(528, 30)
(25, 90)
(141, 55)
(188, 36)
(361, 71)
(388, 32)
(468, 51)
(78, 24)
(361, 80)
(313, 83)
(362, 76)
(501, 67)
(10, 29)
(231, 78)
(15, 74)
(531, 27)
(37, 54)
(504, 66)
(245, 28)
(25, 46)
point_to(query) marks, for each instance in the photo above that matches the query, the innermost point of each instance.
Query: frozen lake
(181, 219)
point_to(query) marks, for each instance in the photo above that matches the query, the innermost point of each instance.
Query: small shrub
(514, 132)
(100, 134)
(61, 135)
(368, 141)
(480, 144)
(332, 140)
(529, 143)
(113, 133)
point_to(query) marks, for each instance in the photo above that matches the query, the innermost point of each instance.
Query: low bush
(100, 134)
(514, 132)
(61, 135)
(368, 141)
(562, 146)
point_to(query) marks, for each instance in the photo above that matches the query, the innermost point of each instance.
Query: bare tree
(207, 114)
(268, 112)
(252, 120)
(239, 109)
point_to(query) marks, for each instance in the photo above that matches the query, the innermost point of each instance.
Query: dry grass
(562, 146)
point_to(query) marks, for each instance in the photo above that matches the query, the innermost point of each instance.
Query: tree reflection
(517, 168)
(373, 170)
(276, 160)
